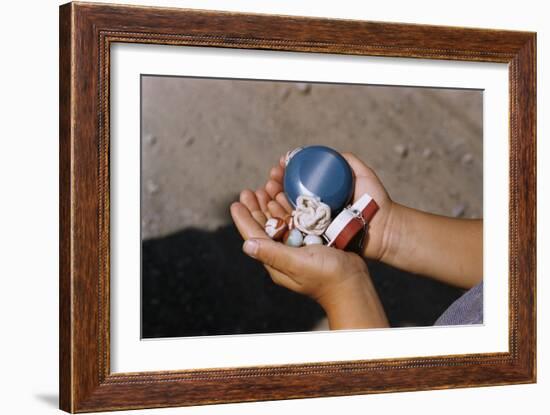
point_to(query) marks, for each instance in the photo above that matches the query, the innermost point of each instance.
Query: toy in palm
(319, 184)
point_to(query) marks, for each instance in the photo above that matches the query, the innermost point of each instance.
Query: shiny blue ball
(319, 171)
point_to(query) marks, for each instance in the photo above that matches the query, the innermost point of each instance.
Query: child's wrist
(354, 304)
(392, 233)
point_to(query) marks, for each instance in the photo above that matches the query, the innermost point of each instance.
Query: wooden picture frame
(86, 33)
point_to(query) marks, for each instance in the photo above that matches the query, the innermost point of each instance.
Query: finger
(273, 188)
(248, 198)
(283, 258)
(277, 174)
(246, 224)
(358, 167)
(276, 209)
(249, 228)
(263, 199)
(283, 201)
(282, 161)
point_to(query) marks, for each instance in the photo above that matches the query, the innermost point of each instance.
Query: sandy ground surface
(205, 140)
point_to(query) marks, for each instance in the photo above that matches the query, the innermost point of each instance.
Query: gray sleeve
(468, 309)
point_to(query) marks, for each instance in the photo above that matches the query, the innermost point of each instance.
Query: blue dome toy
(319, 171)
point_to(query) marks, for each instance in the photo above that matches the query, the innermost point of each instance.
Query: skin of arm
(447, 249)
(356, 306)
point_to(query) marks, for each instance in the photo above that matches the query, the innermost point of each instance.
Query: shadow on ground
(197, 283)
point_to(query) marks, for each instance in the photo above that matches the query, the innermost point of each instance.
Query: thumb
(275, 254)
(358, 167)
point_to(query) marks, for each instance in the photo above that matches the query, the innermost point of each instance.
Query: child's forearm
(355, 305)
(447, 249)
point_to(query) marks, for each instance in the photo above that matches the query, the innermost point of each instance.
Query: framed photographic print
(258, 207)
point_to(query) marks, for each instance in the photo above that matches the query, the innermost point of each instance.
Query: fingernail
(250, 247)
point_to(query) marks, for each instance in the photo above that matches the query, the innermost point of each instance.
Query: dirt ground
(204, 140)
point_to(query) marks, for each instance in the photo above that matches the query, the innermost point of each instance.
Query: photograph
(276, 206)
(256, 206)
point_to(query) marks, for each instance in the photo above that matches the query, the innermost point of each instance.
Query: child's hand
(366, 181)
(402, 237)
(339, 281)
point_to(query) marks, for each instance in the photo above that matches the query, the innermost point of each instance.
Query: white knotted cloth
(311, 216)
